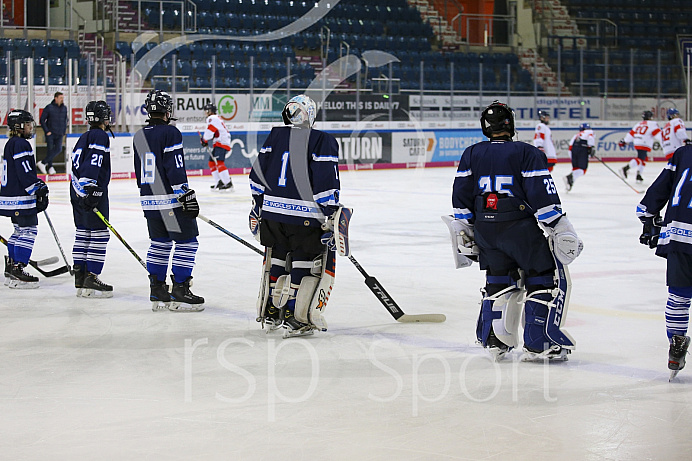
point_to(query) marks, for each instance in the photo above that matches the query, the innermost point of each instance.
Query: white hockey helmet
(300, 111)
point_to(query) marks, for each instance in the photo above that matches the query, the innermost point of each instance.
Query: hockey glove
(687, 142)
(92, 198)
(254, 220)
(327, 239)
(204, 143)
(591, 152)
(41, 197)
(190, 205)
(566, 244)
(650, 232)
(622, 143)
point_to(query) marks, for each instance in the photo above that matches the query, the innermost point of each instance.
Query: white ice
(110, 379)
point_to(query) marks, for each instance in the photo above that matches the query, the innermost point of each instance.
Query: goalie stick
(36, 264)
(389, 303)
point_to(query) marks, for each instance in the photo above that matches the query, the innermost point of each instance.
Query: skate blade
(19, 285)
(673, 374)
(272, 326)
(91, 293)
(176, 306)
(305, 331)
(159, 306)
(497, 353)
(545, 356)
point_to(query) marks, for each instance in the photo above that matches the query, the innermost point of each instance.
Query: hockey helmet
(98, 112)
(584, 126)
(158, 102)
(543, 116)
(300, 111)
(17, 120)
(209, 107)
(496, 118)
(647, 115)
(672, 113)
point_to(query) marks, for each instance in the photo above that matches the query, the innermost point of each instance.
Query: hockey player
(580, 148)
(642, 135)
(217, 131)
(543, 139)
(91, 174)
(671, 238)
(22, 197)
(673, 134)
(169, 206)
(504, 200)
(295, 189)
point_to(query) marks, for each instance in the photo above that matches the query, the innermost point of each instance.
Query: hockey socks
(678, 311)
(21, 243)
(184, 259)
(158, 256)
(89, 249)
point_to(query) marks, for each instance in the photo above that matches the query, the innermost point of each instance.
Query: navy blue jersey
(509, 169)
(301, 186)
(672, 187)
(18, 180)
(91, 162)
(160, 167)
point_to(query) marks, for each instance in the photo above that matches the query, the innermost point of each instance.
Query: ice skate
(79, 276)
(93, 287)
(623, 171)
(569, 182)
(158, 295)
(272, 318)
(294, 328)
(217, 186)
(182, 299)
(639, 178)
(225, 187)
(20, 279)
(497, 348)
(677, 354)
(554, 353)
(8, 268)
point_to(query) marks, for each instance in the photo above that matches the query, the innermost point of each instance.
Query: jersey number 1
(284, 166)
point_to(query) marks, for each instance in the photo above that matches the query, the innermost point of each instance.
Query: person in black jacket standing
(54, 123)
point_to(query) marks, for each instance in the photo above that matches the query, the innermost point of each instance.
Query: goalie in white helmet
(295, 189)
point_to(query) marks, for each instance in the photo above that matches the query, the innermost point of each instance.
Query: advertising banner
(372, 107)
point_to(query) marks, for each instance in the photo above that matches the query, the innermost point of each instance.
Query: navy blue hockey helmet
(17, 120)
(158, 102)
(672, 113)
(543, 116)
(497, 118)
(584, 126)
(98, 112)
(647, 115)
(209, 107)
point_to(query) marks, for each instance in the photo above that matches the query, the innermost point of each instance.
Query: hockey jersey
(18, 179)
(295, 184)
(674, 135)
(516, 169)
(672, 186)
(543, 139)
(159, 167)
(643, 135)
(91, 162)
(217, 131)
(582, 140)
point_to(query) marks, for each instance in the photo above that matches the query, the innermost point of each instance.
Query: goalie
(504, 200)
(296, 215)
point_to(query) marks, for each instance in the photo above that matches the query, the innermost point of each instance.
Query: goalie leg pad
(544, 312)
(500, 310)
(264, 291)
(314, 291)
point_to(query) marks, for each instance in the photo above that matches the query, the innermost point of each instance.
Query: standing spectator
(580, 149)
(543, 139)
(674, 133)
(642, 135)
(54, 124)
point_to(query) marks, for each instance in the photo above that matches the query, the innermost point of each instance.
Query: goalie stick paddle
(391, 305)
(230, 234)
(615, 173)
(36, 264)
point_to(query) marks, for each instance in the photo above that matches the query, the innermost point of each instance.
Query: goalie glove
(254, 220)
(650, 231)
(564, 241)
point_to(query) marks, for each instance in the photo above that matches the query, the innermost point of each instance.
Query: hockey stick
(389, 303)
(36, 264)
(122, 240)
(231, 234)
(57, 240)
(615, 173)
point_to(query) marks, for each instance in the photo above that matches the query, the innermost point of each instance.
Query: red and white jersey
(586, 135)
(643, 135)
(217, 131)
(543, 139)
(674, 135)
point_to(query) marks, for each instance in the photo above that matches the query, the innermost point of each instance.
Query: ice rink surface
(110, 379)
